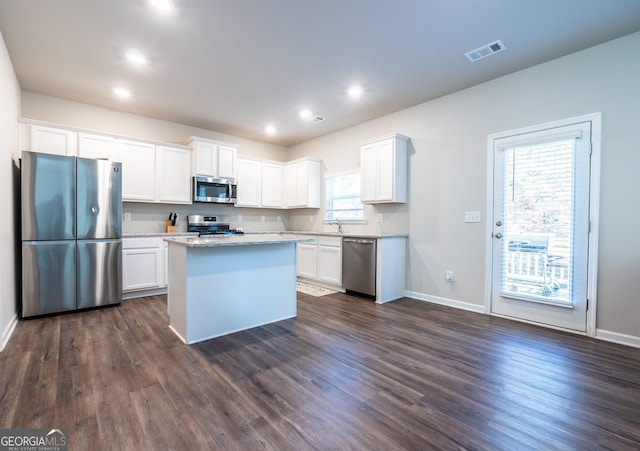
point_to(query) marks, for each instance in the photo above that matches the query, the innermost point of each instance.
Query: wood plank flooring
(345, 374)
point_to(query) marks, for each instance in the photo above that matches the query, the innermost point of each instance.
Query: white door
(542, 206)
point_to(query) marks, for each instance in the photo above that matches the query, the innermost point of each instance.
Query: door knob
(498, 223)
(498, 235)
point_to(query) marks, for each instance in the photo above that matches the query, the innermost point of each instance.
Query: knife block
(170, 228)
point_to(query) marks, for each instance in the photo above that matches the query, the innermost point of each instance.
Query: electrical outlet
(127, 216)
(262, 218)
(448, 276)
(310, 218)
(239, 218)
(379, 217)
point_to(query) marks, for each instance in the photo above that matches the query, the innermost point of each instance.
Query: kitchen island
(224, 284)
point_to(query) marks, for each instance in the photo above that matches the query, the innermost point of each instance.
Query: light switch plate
(472, 216)
(379, 217)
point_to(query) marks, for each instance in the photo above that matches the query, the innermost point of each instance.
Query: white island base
(220, 289)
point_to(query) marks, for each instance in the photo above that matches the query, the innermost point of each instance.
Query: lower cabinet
(307, 260)
(143, 266)
(321, 260)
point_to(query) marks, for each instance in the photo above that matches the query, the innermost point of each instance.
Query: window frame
(333, 175)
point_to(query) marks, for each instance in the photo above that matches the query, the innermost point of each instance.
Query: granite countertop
(237, 240)
(195, 234)
(156, 234)
(352, 235)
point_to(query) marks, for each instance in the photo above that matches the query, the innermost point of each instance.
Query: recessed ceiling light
(270, 130)
(122, 92)
(355, 91)
(136, 58)
(162, 6)
(306, 114)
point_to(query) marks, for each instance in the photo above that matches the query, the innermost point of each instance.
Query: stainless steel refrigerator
(71, 233)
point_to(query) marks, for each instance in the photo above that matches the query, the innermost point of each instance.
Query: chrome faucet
(338, 223)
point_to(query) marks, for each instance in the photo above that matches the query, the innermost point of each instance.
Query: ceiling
(235, 66)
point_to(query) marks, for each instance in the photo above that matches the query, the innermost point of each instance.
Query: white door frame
(594, 211)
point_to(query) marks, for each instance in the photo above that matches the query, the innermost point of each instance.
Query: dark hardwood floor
(344, 374)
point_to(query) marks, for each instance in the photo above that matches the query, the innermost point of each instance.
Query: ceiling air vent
(485, 50)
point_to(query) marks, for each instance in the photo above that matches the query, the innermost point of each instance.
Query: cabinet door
(330, 264)
(271, 185)
(142, 269)
(52, 140)
(385, 170)
(138, 170)
(95, 146)
(248, 183)
(174, 175)
(226, 162)
(368, 173)
(205, 157)
(296, 175)
(306, 260)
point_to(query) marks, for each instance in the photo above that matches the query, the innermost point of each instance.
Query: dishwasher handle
(358, 240)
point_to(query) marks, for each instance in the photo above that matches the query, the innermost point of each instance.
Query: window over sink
(343, 197)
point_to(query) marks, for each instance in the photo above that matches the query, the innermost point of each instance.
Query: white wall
(448, 170)
(9, 180)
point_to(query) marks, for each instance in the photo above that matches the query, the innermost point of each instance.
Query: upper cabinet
(271, 183)
(259, 183)
(303, 184)
(213, 158)
(50, 140)
(174, 175)
(138, 170)
(153, 173)
(383, 169)
(96, 146)
(249, 182)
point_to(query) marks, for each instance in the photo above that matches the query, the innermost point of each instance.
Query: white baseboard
(445, 301)
(142, 293)
(6, 333)
(605, 335)
(616, 337)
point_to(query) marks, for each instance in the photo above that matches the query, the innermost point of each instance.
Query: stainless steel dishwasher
(359, 265)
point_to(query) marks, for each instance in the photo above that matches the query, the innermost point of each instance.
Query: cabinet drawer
(142, 243)
(330, 241)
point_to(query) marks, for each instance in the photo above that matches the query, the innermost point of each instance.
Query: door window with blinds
(541, 200)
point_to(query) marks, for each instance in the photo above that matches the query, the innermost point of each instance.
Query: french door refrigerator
(71, 233)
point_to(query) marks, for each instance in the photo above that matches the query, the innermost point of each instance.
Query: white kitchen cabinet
(321, 259)
(213, 158)
(138, 170)
(227, 160)
(143, 263)
(249, 183)
(306, 260)
(271, 182)
(329, 259)
(174, 175)
(303, 184)
(157, 174)
(383, 169)
(52, 140)
(96, 146)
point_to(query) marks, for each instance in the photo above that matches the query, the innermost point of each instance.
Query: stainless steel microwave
(213, 189)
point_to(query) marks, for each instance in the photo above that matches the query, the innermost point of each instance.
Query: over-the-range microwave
(214, 189)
